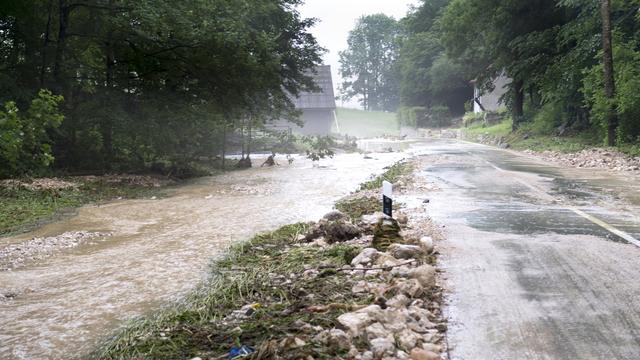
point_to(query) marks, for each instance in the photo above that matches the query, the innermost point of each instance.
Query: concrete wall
(491, 100)
(316, 122)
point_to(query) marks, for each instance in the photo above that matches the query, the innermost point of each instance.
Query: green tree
(25, 145)
(368, 64)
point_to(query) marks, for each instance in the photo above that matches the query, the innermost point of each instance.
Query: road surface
(539, 261)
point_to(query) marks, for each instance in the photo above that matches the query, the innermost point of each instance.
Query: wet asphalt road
(535, 263)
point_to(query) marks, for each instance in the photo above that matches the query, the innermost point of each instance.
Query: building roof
(318, 100)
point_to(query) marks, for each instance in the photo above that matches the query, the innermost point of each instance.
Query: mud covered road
(158, 250)
(540, 262)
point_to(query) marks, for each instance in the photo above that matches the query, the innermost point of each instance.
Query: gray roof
(318, 100)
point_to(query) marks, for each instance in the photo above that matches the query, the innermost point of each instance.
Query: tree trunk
(64, 12)
(249, 139)
(518, 103)
(45, 44)
(107, 120)
(224, 143)
(609, 83)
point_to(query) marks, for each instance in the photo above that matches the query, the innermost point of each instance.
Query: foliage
(320, 147)
(392, 174)
(368, 63)
(155, 80)
(411, 116)
(25, 145)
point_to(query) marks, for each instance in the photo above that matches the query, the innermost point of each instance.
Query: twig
(377, 268)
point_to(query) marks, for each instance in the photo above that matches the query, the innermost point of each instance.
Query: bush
(25, 147)
(411, 116)
(438, 116)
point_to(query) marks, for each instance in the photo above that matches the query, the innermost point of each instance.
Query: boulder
(338, 339)
(402, 218)
(402, 251)
(386, 260)
(339, 231)
(408, 339)
(411, 288)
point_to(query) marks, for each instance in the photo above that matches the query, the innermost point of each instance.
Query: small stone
(338, 339)
(402, 218)
(398, 301)
(355, 322)
(426, 243)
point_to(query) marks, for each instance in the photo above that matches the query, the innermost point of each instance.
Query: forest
(126, 85)
(574, 65)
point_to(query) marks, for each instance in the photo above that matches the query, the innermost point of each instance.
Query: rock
(420, 354)
(292, 343)
(366, 256)
(398, 301)
(356, 322)
(401, 251)
(372, 219)
(401, 355)
(338, 339)
(425, 274)
(426, 243)
(376, 330)
(432, 348)
(334, 215)
(339, 231)
(383, 346)
(407, 339)
(367, 355)
(386, 260)
(402, 218)
(410, 288)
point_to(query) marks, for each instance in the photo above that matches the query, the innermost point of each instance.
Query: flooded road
(539, 261)
(158, 251)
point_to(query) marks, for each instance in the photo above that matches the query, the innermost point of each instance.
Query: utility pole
(609, 83)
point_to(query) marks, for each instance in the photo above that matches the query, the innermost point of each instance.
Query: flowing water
(159, 250)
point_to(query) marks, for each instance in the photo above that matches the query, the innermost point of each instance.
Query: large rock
(425, 274)
(376, 330)
(402, 251)
(386, 260)
(408, 339)
(366, 256)
(411, 288)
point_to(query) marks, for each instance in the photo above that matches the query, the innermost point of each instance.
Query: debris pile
(16, 255)
(592, 158)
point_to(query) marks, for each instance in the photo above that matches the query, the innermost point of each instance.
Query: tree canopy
(150, 80)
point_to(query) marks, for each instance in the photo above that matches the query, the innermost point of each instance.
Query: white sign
(387, 189)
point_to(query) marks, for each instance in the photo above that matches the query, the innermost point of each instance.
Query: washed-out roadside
(353, 285)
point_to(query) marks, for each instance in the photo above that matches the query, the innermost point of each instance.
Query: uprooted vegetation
(367, 199)
(305, 291)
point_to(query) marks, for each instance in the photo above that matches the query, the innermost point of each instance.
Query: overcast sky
(338, 17)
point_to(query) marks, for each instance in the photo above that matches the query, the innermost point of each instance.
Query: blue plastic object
(240, 352)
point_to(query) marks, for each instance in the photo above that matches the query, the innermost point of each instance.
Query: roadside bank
(353, 285)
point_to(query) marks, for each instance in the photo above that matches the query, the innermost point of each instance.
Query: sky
(338, 17)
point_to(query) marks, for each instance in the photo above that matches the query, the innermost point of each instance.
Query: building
(490, 101)
(318, 108)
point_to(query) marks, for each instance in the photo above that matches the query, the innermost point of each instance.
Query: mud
(158, 251)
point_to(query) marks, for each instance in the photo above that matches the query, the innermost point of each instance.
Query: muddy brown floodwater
(159, 250)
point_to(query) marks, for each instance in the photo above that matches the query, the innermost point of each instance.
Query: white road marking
(610, 228)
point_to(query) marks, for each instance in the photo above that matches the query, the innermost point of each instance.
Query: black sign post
(387, 206)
